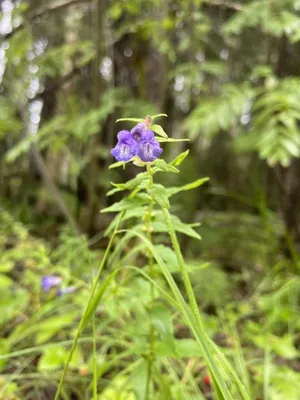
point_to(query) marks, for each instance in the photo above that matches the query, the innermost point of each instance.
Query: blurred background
(226, 72)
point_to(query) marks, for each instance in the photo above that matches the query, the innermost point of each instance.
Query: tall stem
(183, 270)
(191, 295)
(82, 321)
(148, 217)
(95, 367)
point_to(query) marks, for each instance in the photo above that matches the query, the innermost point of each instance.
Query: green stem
(183, 270)
(95, 369)
(82, 321)
(201, 338)
(152, 330)
(191, 296)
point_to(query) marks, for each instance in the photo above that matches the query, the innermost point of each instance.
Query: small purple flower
(126, 147)
(69, 289)
(140, 141)
(149, 147)
(50, 281)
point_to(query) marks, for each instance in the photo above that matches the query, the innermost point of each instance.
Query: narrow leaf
(189, 186)
(131, 119)
(159, 130)
(158, 115)
(127, 203)
(170, 140)
(180, 158)
(117, 165)
(161, 165)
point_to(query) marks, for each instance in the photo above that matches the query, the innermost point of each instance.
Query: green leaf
(131, 119)
(54, 325)
(161, 318)
(182, 227)
(163, 348)
(281, 345)
(132, 183)
(159, 130)
(113, 191)
(118, 389)
(168, 256)
(12, 303)
(159, 194)
(157, 116)
(128, 203)
(161, 165)
(5, 282)
(4, 349)
(180, 158)
(159, 226)
(197, 328)
(170, 140)
(138, 381)
(193, 185)
(187, 348)
(6, 266)
(98, 297)
(54, 357)
(136, 212)
(117, 165)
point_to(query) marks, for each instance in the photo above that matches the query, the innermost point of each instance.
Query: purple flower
(69, 289)
(50, 281)
(126, 147)
(140, 141)
(149, 147)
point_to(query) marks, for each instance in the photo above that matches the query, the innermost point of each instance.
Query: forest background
(227, 75)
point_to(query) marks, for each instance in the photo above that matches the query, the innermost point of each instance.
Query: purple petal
(50, 281)
(123, 136)
(149, 151)
(124, 152)
(138, 131)
(157, 151)
(148, 136)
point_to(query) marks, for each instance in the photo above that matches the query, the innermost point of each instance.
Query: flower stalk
(151, 354)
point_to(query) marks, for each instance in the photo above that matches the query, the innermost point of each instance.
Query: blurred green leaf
(160, 195)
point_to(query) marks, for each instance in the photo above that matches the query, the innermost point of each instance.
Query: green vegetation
(172, 279)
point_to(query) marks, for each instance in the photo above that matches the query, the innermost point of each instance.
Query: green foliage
(9, 124)
(277, 19)
(206, 293)
(50, 63)
(60, 129)
(219, 113)
(275, 133)
(227, 72)
(160, 195)
(53, 358)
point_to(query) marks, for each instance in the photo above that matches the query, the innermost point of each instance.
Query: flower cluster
(140, 141)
